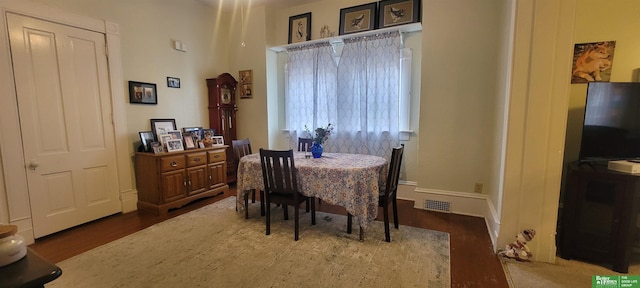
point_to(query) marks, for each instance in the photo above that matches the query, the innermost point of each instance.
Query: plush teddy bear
(519, 250)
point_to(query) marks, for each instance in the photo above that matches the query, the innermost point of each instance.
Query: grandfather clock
(222, 115)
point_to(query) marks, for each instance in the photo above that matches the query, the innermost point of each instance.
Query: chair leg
(253, 196)
(387, 234)
(307, 205)
(246, 206)
(395, 213)
(349, 220)
(296, 220)
(268, 217)
(313, 211)
(262, 203)
(285, 208)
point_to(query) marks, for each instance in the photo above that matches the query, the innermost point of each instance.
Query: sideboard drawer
(217, 156)
(170, 163)
(196, 159)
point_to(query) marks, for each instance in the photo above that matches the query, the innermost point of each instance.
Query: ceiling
(233, 3)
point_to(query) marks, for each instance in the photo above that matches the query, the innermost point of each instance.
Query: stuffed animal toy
(519, 250)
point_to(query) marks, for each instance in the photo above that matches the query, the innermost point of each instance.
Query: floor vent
(435, 205)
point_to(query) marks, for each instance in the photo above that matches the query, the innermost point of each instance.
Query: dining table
(352, 181)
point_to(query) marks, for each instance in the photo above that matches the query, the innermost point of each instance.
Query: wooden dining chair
(389, 194)
(304, 144)
(281, 186)
(240, 149)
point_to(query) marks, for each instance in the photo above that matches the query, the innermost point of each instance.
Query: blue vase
(316, 150)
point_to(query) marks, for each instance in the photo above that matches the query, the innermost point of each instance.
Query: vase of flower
(316, 150)
(321, 134)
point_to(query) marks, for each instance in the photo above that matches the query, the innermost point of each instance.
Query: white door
(62, 87)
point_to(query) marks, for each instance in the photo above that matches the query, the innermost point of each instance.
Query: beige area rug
(563, 273)
(215, 247)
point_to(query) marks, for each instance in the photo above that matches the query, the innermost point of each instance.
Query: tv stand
(599, 216)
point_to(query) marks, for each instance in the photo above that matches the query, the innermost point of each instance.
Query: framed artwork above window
(300, 28)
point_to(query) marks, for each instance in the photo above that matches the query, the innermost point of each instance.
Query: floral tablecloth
(348, 180)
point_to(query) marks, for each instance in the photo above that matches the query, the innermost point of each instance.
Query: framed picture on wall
(592, 62)
(173, 82)
(300, 28)
(358, 18)
(142, 93)
(398, 12)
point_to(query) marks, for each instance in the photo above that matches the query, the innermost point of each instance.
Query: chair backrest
(278, 172)
(241, 148)
(394, 172)
(304, 144)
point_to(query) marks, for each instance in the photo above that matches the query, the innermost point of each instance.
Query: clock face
(225, 93)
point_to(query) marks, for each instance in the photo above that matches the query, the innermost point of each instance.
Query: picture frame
(592, 62)
(156, 147)
(142, 93)
(246, 76)
(164, 138)
(358, 18)
(173, 82)
(162, 126)
(300, 28)
(218, 140)
(245, 85)
(146, 137)
(174, 145)
(175, 134)
(398, 12)
(196, 132)
(208, 133)
(246, 91)
(189, 141)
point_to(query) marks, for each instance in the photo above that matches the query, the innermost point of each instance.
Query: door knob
(33, 165)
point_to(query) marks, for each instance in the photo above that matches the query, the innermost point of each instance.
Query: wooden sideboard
(171, 180)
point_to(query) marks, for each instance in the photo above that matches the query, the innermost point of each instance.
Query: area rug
(215, 247)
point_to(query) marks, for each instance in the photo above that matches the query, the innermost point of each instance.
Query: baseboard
(462, 203)
(129, 200)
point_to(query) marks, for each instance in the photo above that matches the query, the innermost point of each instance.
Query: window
(359, 94)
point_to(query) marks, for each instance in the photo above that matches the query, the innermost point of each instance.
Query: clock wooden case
(222, 114)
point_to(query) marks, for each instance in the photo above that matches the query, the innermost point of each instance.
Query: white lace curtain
(359, 96)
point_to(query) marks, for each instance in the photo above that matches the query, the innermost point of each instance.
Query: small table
(30, 271)
(352, 181)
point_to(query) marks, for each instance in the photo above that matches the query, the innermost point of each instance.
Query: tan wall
(148, 29)
(618, 19)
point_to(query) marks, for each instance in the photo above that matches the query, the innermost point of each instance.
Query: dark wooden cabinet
(171, 180)
(222, 114)
(600, 215)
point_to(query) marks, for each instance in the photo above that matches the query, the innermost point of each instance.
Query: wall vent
(439, 206)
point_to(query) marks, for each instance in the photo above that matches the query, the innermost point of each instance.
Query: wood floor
(473, 263)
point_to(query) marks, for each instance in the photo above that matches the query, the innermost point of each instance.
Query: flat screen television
(611, 129)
